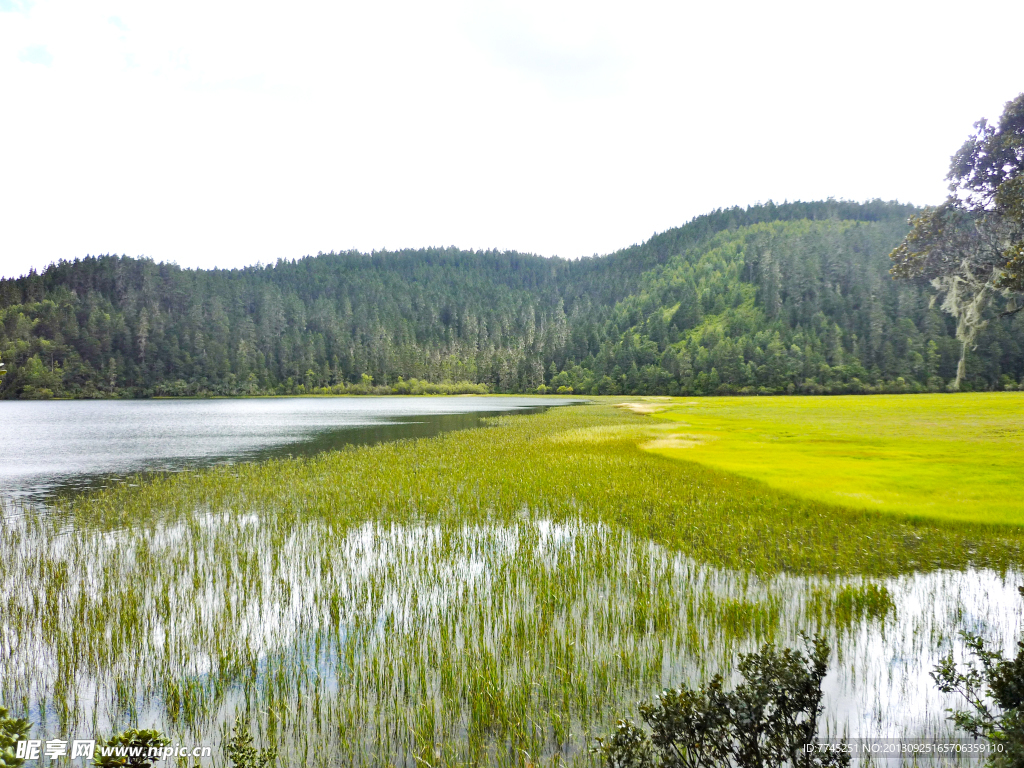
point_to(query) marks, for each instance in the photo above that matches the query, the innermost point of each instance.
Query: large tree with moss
(971, 248)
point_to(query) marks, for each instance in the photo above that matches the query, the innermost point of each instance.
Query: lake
(61, 446)
(394, 605)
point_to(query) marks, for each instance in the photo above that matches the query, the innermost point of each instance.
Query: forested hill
(768, 299)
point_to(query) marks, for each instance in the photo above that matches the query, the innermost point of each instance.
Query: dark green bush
(994, 687)
(765, 722)
(140, 741)
(242, 754)
(12, 730)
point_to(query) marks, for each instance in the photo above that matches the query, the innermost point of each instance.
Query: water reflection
(68, 446)
(480, 631)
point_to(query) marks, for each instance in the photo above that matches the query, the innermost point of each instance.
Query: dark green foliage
(971, 248)
(987, 175)
(764, 722)
(12, 730)
(137, 743)
(770, 299)
(242, 754)
(994, 689)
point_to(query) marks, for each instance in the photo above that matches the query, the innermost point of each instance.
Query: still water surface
(389, 590)
(61, 446)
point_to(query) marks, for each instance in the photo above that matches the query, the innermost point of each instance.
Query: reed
(496, 596)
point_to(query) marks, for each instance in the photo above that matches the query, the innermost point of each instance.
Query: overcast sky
(222, 134)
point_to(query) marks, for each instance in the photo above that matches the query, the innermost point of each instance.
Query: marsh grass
(488, 597)
(954, 457)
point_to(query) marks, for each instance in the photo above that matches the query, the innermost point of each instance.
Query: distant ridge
(793, 297)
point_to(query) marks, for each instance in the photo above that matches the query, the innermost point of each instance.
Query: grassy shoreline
(593, 459)
(493, 596)
(928, 456)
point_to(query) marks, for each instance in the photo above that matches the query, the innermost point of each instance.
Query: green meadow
(954, 457)
(497, 596)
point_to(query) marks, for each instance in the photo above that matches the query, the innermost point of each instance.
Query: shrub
(12, 730)
(243, 754)
(994, 687)
(133, 740)
(764, 722)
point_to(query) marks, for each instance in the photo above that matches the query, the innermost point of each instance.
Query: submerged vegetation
(500, 595)
(578, 462)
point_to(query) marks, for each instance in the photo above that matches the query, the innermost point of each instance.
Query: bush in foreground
(12, 730)
(764, 722)
(994, 688)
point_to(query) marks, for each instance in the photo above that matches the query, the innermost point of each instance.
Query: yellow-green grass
(955, 457)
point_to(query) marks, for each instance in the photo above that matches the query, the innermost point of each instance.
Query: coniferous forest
(791, 298)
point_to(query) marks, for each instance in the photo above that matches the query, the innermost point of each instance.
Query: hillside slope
(787, 298)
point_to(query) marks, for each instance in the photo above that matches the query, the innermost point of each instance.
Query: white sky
(225, 133)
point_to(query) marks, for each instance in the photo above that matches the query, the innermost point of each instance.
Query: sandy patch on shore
(674, 441)
(643, 408)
